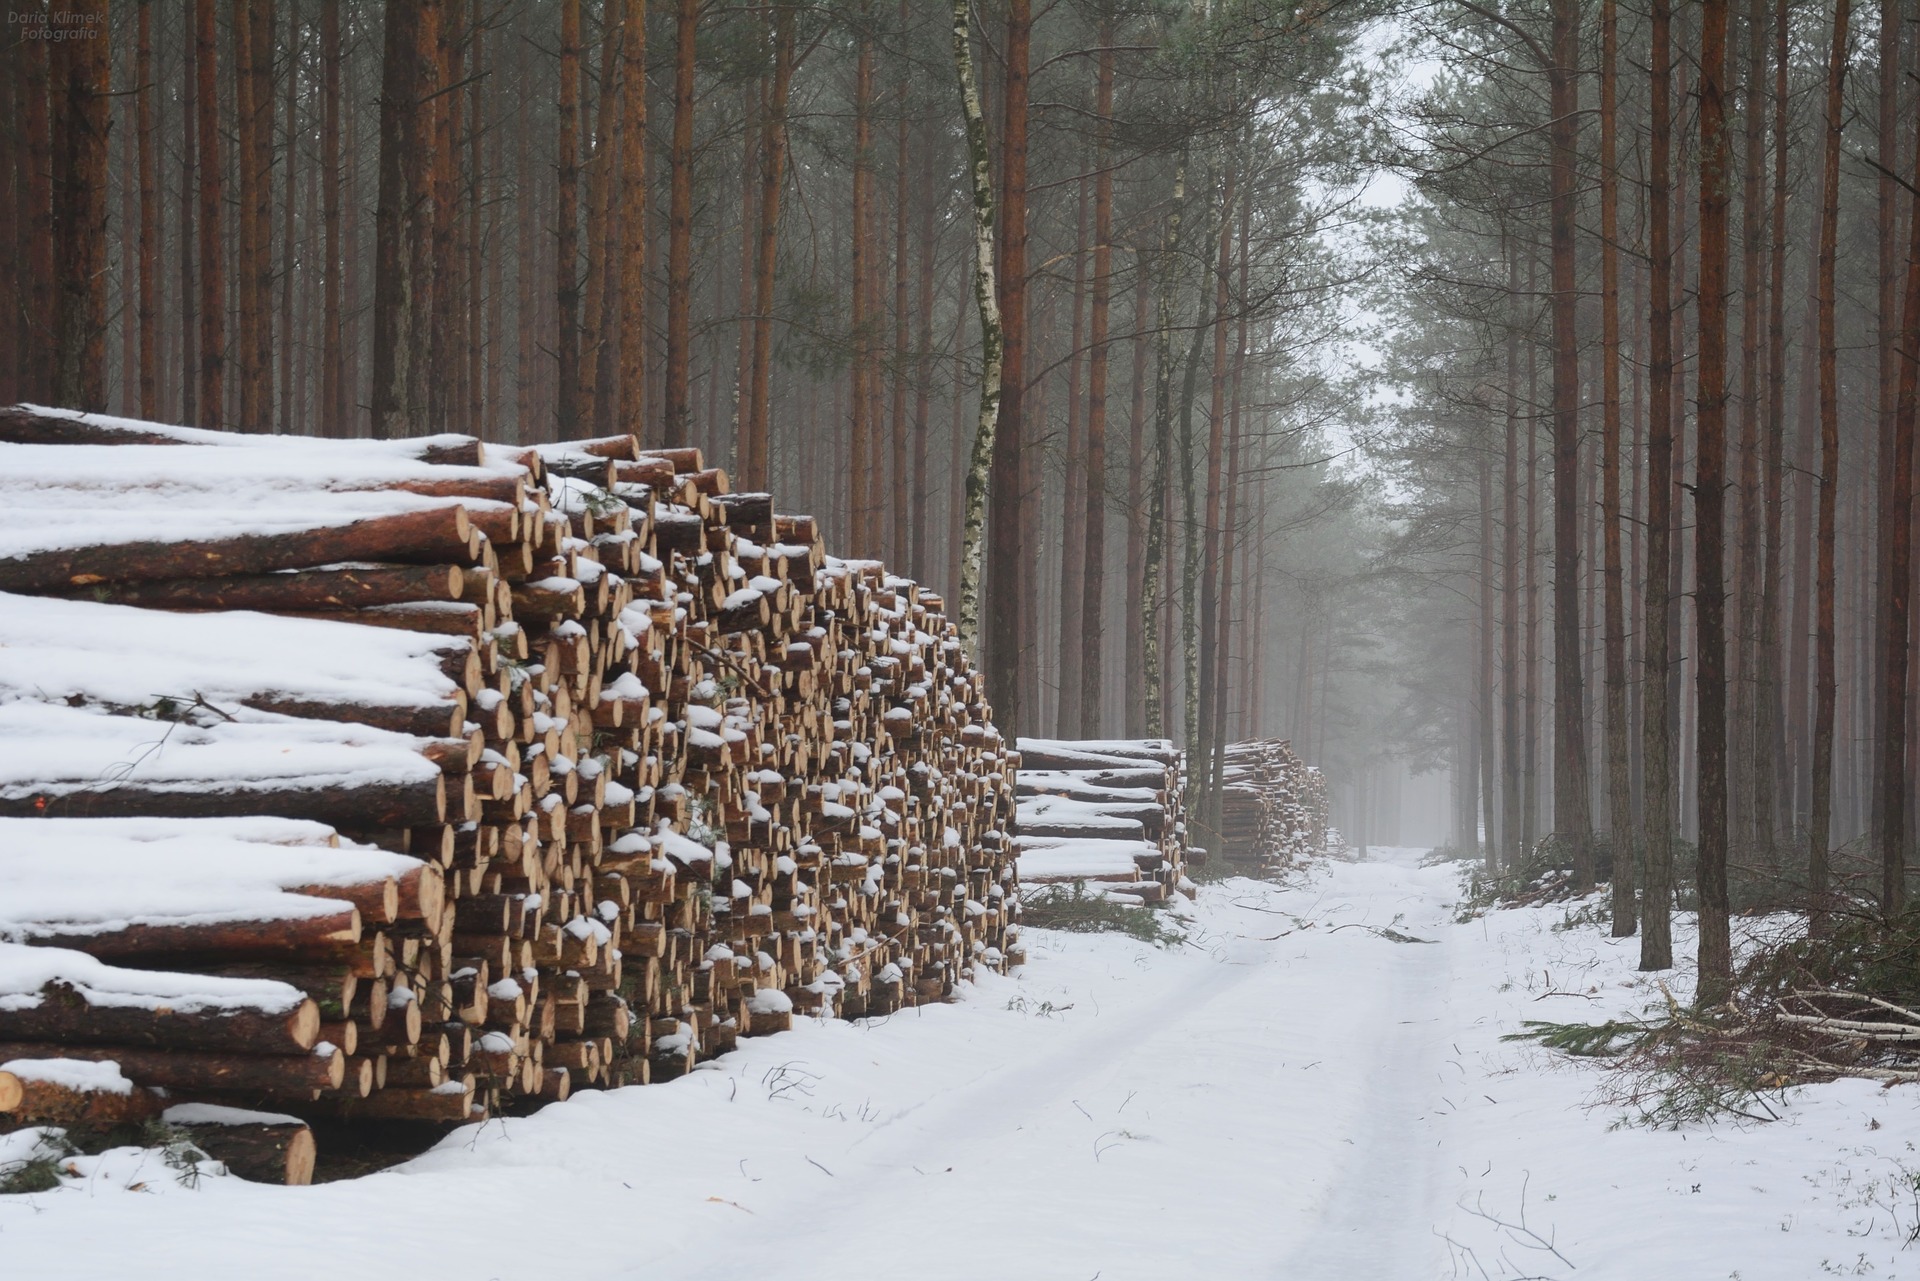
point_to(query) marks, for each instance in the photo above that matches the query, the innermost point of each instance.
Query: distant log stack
(1273, 806)
(1112, 812)
(464, 776)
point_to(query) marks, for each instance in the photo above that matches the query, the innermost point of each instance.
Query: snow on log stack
(1273, 806)
(421, 779)
(1112, 812)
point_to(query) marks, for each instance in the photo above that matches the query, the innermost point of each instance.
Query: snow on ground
(1291, 1094)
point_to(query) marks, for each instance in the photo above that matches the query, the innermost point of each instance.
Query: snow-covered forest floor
(1313, 1085)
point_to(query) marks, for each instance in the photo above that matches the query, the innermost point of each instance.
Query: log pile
(485, 774)
(1108, 812)
(1273, 807)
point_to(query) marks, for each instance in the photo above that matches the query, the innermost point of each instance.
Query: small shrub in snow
(1079, 910)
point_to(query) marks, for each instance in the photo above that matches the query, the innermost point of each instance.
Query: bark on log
(436, 535)
(65, 1015)
(439, 1104)
(261, 1152)
(196, 1071)
(307, 590)
(437, 719)
(414, 803)
(34, 1102)
(274, 937)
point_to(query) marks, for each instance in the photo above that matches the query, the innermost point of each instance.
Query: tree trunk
(1897, 532)
(1530, 658)
(920, 562)
(149, 219)
(14, 322)
(630, 390)
(445, 387)
(1771, 782)
(80, 81)
(1484, 703)
(900, 495)
(860, 459)
(1090, 653)
(567, 420)
(525, 203)
(260, 29)
(773, 156)
(333, 388)
(1512, 854)
(985, 297)
(1201, 728)
(1007, 623)
(674, 427)
(1570, 802)
(1709, 503)
(287, 409)
(607, 220)
(1819, 825)
(1152, 687)
(1743, 755)
(394, 283)
(1886, 329)
(1073, 512)
(1230, 551)
(481, 391)
(1135, 713)
(189, 368)
(1619, 777)
(247, 178)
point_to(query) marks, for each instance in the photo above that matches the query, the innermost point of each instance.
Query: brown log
(655, 473)
(343, 1034)
(438, 534)
(415, 803)
(548, 598)
(440, 718)
(422, 894)
(331, 988)
(278, 936)
(456, 754)
(421, 1072)
(683, 459)
(306, 590)
(26, 1101)
(279, 1152)
(378, 901)
(440, 619)
(404, 1105)
(625, 448)
(65, 1014)
(196, 1071)
(511, 490)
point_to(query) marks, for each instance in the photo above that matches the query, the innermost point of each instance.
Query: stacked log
(517, 770)
(1108, 812)
(1273, 807)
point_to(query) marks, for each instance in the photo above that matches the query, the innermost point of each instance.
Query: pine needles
(1077, 910)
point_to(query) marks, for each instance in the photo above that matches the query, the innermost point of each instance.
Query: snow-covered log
(68, 1091)
(1107, 810)
(264, 1147)
(634, 769)
(55, 994)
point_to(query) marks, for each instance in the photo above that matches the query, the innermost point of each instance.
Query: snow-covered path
(1312, 1087)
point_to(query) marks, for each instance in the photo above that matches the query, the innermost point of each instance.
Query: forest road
(1376, 1218)
(1264, 1102)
